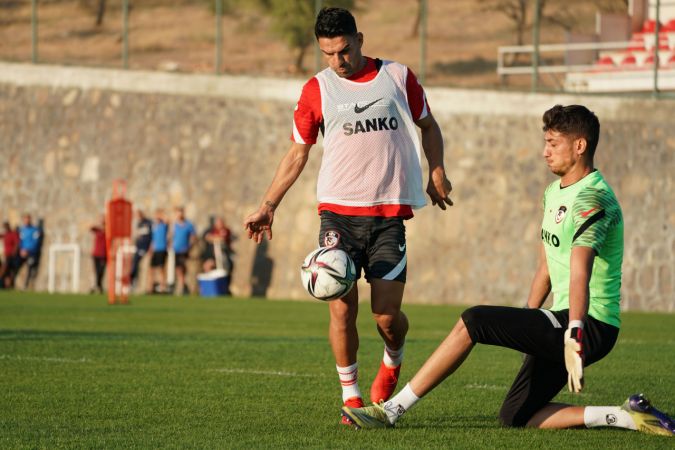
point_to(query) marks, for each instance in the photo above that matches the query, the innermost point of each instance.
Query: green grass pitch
(167, 372)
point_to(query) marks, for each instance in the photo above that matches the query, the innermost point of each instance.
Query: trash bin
(214, 283)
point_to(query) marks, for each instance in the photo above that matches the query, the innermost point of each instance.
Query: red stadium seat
(637, 43)
(628, 60)
(605, 61)
(649, 26)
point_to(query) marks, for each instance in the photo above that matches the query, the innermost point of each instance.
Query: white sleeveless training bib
(371, 150)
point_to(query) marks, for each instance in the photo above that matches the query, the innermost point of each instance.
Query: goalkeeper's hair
(334, 22)
(576, 121)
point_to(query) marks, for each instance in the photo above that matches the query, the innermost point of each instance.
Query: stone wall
(212, 144)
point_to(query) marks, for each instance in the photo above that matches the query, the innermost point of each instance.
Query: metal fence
(464, 44)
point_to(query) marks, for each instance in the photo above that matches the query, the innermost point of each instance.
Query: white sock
(392, 358)
(349, 380)
(400, 403)
(607, 416)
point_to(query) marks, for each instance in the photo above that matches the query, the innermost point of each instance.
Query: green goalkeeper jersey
(585, 214)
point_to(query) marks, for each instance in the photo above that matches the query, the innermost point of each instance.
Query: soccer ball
(328, 273)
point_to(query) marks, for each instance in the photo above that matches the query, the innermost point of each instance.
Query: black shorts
(31, 260)
(539, 334)
(181, 259)
(158, 259)
(376, 244)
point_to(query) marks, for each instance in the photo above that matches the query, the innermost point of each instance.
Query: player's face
(560, 152)
(343, 54)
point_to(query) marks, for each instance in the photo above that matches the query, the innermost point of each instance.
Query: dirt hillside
(179, 35)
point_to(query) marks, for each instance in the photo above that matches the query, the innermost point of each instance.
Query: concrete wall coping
(443, 101)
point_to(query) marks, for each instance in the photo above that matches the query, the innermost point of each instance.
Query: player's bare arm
(541, 284)
(581, 268)
(438, 187)
(259, 223)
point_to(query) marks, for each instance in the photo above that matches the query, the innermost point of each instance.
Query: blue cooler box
(214, 283)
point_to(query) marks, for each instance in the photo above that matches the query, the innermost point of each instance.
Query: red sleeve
(307, 117)
(417, 101)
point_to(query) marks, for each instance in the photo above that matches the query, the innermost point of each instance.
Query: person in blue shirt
(30, 244)
(158, 249)
(183, 238)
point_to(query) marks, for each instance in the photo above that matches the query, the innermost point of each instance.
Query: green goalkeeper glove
(574, 359)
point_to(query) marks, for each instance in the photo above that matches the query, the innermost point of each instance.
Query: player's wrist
(576, 324)
(575, 330)
(437, 170)
(268, 206)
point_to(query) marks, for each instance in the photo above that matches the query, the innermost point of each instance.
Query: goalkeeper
(580, 261)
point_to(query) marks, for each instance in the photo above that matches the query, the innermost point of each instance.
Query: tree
(514, 10)
(293, 21)
(96, 6)
(415, 31)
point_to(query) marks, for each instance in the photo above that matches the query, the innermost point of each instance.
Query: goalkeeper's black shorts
(539, 334)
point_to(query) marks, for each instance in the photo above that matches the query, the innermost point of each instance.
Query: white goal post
(66, 249)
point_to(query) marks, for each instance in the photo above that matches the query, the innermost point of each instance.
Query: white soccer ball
(328, 273)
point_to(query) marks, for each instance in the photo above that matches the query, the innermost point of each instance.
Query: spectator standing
(99, 254)
(159, 244)
(10, 240)
(218, 238)
(183, 238)
(143, 241)
(30, 241)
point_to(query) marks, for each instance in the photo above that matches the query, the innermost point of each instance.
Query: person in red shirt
(370, 181)
(218, 238)
(99, 254)
(10, 240)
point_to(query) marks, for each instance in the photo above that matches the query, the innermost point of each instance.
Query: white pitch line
(44, 358)
(643, 342)
(267, 372)
(489, 387)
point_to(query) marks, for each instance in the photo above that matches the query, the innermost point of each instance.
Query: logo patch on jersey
(331, 238)
(560, 215)
(359, 109)
(585, 214)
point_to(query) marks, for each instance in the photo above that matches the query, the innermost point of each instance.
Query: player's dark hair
(574, 120)
(334, 22)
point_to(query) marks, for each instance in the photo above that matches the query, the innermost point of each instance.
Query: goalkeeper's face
(563, 152)
(343, 53)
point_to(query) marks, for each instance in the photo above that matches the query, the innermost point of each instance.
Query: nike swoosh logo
(359, 109)
(586, 213)
(401, 248)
